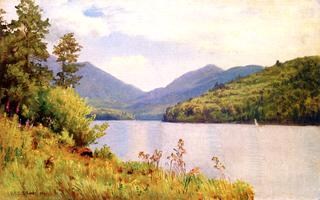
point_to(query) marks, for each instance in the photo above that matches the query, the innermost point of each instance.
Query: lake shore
(40, 166)
(257, 154)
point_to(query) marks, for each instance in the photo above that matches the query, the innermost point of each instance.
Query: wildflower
(8, 106)
(176, 158)
(154, 159)
(218, 165)
(194, 171)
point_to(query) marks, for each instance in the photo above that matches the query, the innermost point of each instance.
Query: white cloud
(229, 32)
(68, 16)
(262, 29)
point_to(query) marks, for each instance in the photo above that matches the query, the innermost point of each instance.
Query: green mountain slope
(284, 93)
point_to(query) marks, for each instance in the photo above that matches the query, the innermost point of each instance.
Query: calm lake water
(281, 162)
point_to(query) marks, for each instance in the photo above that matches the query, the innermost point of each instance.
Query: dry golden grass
(43, 168)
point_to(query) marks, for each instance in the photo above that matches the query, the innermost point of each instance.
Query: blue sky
(150, 43)
(93, 12)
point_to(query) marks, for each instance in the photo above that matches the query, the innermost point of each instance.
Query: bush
(66, 113)
(104, 153)
(65, 138)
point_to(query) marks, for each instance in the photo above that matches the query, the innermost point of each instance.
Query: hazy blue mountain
(101, 88)
(105, 91)
(151, 105)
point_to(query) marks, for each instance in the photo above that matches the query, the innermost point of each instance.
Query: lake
(281, 162)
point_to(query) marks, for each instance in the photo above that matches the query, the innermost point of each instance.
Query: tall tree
(67, 52)
(3, 34)
(26, 51)
(3, 24)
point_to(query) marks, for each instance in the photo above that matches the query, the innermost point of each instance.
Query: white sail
(256, 122)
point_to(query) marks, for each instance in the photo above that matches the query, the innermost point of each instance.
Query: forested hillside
(284, 93)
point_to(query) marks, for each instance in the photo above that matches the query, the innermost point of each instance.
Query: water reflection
(281, 162)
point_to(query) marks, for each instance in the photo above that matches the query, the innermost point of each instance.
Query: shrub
(65, 138)
(66, 113)
(104, 153)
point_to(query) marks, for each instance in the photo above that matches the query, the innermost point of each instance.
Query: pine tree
(25, 51)
(3, 34)
(3, 24)
(67, 52)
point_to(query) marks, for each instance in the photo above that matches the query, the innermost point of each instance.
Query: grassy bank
(37, 164)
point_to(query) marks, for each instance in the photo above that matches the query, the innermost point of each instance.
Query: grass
(36, 165)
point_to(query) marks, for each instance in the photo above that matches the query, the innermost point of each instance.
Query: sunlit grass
(27, 175)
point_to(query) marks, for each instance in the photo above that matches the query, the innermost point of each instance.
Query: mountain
(284, 93)
(152, 105)
(101, 88)
(104, 91)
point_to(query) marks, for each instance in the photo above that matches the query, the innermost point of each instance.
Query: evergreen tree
(3, 24)
(3, 34)
(67, 52)
(25, 51)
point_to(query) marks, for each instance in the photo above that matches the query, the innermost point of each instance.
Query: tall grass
(26, 174)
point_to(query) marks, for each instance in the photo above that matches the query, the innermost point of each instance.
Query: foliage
(287, 92)
(104, 153)
(65, 112)
(67, 54)
(25, 82)
(22, 50)
(51, 171)
(65, 138)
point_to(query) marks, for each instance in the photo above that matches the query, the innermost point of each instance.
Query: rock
(82, 151)
(85, 152)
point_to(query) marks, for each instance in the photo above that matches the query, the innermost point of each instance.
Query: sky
(149, 43)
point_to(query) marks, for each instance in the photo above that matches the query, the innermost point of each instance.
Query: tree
(3, 34)
(25, 51)
(3, 24)
(67, 52)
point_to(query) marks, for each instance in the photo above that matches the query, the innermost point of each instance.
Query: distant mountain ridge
(106, 91)
(100, 86)
(152, 104)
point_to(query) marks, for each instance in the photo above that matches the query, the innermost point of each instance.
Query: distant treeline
(112, 114)
(286, 93)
